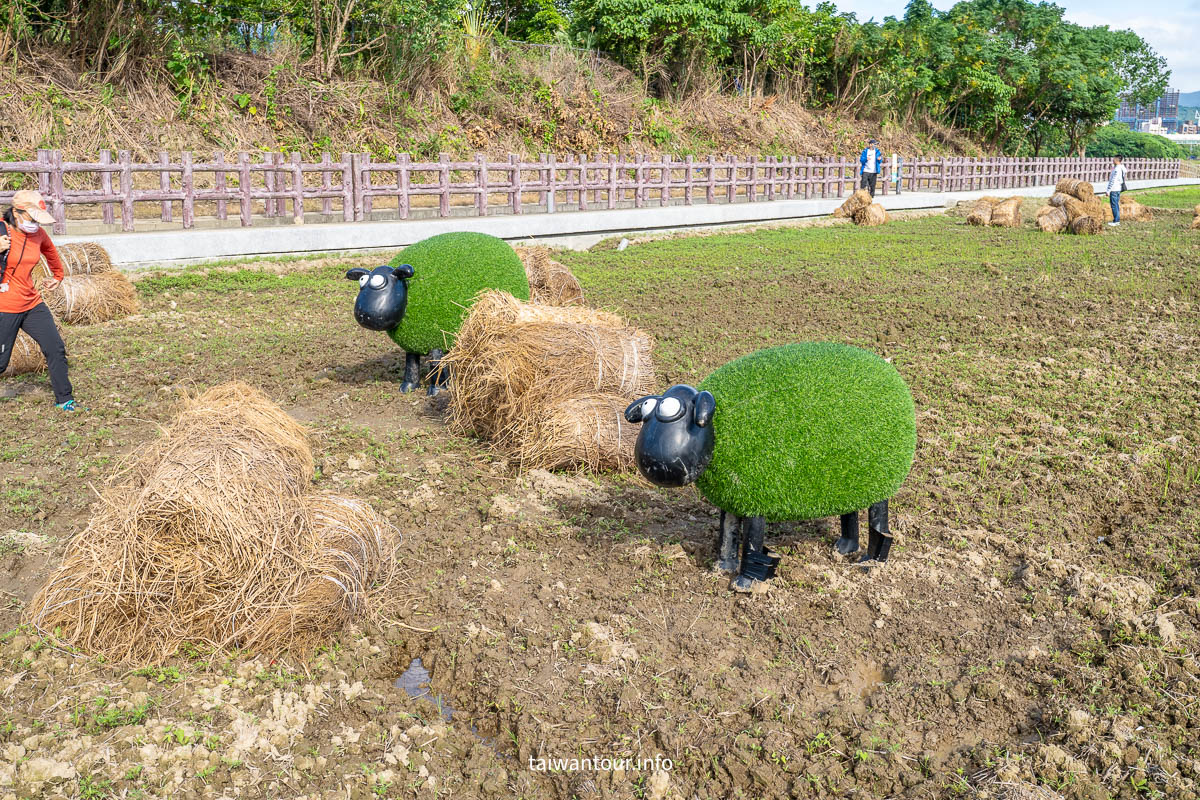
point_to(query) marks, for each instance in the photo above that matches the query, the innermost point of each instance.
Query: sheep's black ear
(706, 404)
(356, 273)
(403, 272)
(634, 413)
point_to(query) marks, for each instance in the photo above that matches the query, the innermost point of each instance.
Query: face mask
(29, 227)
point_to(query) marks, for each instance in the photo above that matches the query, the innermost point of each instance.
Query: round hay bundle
(857, 201)
(1086, 225)
(550, 283)
(1007, 213)
(26, 357)
(1077, 208)
(1066, 186)
(87, 299)
(1080, 190)
(1051, 219)
(79, 258)
(1059, 199)
(1132, 211)
(1196, 223)
(588, 432)
(871, 215)
(210, 537)
(980, 213)
(1196, 211)
(514, 359)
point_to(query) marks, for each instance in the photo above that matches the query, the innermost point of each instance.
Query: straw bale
(587, 431)
(1196, 223)
(1007, 213)
(1077, 208)
(550, 283)
(513, 361)
(871, 215)
(98, 297)
(1051, 219)
(980, 213)
(1080, 190)
(212, 536)
(26, 357)
(1086, 226)
(859, 200)
(1059, 199)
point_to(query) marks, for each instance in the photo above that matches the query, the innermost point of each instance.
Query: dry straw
(1007, 213)
(96, 297)
(980, 213)
(1080, 190)
(26, 357)
(550, 283)
(871, 215)
(1051, 219)
(1196, 218)
(859, 200)
(527, 378)
(211, 536)
(79, 258)
(1086, 226)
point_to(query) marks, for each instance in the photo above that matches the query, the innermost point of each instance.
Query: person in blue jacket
(870, 162)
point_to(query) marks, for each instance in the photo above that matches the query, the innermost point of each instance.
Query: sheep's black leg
(412, 372)
(848, 542)
(729, 537)
(757, 563)
(880, 542)
(438, 375)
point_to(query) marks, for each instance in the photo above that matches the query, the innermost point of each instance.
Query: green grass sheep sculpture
(787, 433)
(423, 295)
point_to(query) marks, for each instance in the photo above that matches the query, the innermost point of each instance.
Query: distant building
(1189, 128)
(1163, 112)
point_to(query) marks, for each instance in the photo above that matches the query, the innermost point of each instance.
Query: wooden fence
(356, 188)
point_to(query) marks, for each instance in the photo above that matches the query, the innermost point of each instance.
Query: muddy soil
(1034, 631)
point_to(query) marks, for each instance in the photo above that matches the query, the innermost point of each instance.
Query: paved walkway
(577, 229)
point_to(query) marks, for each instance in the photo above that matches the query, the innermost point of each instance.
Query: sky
(1172, 27)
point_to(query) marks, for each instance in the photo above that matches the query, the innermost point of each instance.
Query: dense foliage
(1117, 140)
(1013, 73)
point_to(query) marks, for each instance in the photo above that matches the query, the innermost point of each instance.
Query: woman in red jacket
(21, 306)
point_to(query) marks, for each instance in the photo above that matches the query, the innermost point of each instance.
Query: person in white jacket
(1116, 184)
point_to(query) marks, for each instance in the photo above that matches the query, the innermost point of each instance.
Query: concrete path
(577, 229)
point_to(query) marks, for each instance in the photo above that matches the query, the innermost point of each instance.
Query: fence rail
(360, 188)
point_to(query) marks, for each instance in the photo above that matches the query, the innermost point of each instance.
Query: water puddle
(415, 683)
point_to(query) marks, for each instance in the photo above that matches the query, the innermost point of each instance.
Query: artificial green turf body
(807, 430)
(449, 271)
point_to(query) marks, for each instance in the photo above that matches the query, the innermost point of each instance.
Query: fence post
(297, 190)
(349, 191)
(366, 189)
(188, 183)
(246, 187)
(514, 164)
(710, 187)
(356, 171)
(403, 187)
(58, 197)
(43, 175)
(731, 186)
(639, 186)
(481, 200)
(687, 200)
(220, 185)
(752, 188)
(444, 183)
(164, 184)
(664, 193)
(106, 187)
(268, 160)
(612, 181)
(552, 177)
(326, 184)
(126, 191)
(582, 159)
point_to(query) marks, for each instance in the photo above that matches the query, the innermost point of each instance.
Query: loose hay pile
(212, 536)
(871, 215)
(83, 299)
(26, 357)
(859, 200)
(549, 385)
(550, 283)
(1131, 211)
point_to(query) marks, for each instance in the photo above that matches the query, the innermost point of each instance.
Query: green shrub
(449, 270)
(808, 430)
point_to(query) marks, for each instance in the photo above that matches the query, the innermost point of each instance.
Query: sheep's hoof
(408, 386)
(726, 566)
(434, 389)
(845, 545)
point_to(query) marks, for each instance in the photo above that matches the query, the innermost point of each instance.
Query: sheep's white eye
(669, 409)
(648, 407)
(363, 280)
(377, 281)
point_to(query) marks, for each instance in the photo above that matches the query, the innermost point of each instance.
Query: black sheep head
(675, 444)
(382, 296)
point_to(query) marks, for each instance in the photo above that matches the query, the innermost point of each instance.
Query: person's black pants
(868, 181)
(39, 324)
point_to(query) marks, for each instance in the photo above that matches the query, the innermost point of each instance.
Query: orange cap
(31, 202)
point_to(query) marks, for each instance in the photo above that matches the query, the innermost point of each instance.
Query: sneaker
(1113, 224)
(68, 406)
